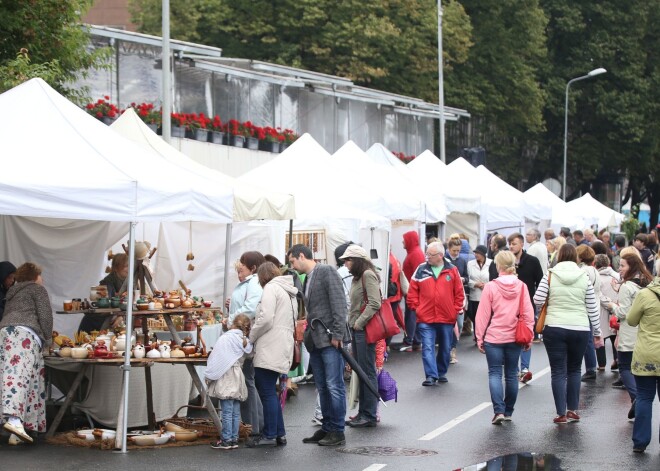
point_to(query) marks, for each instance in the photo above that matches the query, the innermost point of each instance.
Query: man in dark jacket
(529, 272)
(414, 258)
(497, 243)
(640, 243)
(7, 270)
(324, 300)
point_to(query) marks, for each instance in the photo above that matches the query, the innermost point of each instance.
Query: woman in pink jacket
(502, 300)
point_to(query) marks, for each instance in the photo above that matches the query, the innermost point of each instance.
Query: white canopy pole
(166, 78)
(126, 367)
(227, 257)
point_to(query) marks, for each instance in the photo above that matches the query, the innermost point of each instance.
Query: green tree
(500, 82)
(50, 31)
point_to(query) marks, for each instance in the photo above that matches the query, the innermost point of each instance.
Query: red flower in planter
(102, 108)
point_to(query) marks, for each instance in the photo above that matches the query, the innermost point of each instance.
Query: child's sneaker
(234, 444)
(222, 445)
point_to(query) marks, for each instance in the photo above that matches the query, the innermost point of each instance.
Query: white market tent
(79, 169)
(325, 198)
(595, 213)
(400, 178)
(175, 239)
(550, 210)
(504, 205)
(462, 196)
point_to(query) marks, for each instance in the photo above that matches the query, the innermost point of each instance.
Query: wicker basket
(206, 426)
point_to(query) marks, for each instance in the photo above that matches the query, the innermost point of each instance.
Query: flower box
(252, 143)
(179, 131)
(217, 137)
(107, 120)
(153, 127)
(269, 146)
(283, 146)
(197, 134)
(237, 141)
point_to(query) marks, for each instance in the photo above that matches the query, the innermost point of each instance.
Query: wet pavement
(438, 428)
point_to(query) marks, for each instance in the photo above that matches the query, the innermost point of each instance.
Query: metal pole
(593, 73)
(225, 283)
(441, 95)
(126, 367)
(166, 77)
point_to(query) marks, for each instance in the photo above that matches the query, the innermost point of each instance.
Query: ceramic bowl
(207, 303)
(187, 436)
(155, 439)
(142, 307)
(189, 350)
(65, 352)
(170, 427)
(79, 353)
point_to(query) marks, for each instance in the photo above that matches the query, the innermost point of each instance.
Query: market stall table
(189, 362)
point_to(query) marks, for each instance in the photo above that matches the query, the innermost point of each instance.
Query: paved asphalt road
(452, 421)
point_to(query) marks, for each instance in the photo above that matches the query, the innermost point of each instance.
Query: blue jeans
(231, 418)
(411, 335)
(365, 354)
(526, 356)
(590, 362)
(646, 389)
(624, 359)
(251, 409)
(435, 366)
(565, 350)
(459, 321)
(328, 367)
(498, 356)
(273, 421)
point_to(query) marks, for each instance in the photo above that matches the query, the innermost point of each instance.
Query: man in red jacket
(436, 294)
(414, 258)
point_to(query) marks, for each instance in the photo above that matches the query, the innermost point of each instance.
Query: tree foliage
(51, 33)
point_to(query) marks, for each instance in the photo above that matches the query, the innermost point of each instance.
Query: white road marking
(374, 467)
(475, 410)
(454, 422)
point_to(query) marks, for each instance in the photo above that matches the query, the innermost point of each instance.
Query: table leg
(150, 399)
(196, 380)
(67, 401)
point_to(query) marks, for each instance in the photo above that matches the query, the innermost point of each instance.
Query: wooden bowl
(170, 427)
(186, 436)
(142, 307)
(189, 350)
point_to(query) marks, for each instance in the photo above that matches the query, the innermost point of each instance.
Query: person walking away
(634, 277)
(225, 379)
(478, 277)
(414, 258)
(436, 295)
(454, 246)
(586, 257)
(609, 280)
(324, 300)
(503, 301)
(645, 313)
(25, 331)
(571, 307)
(365, 302)
(557, 242)
(529, 272)
(272, 336)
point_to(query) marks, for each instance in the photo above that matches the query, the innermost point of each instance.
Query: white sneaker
(14, 440)
(452, 357)
(18, 430)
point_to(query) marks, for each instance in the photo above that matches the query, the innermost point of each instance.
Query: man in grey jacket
(324, 300)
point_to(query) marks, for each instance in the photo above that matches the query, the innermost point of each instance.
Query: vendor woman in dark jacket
(114, 282)
(7, 270)
(25, 330)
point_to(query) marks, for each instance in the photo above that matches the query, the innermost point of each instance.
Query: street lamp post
(441, 92)
(593, 73)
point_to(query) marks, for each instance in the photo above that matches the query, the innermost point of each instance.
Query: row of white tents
(72, 188)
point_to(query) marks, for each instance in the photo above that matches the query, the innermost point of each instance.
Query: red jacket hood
(411, 239)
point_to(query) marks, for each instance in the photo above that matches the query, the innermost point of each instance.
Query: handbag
(387, 386)
(524, 335)
(382, 325)
(614, 322)
(297, 353)
(540, 324)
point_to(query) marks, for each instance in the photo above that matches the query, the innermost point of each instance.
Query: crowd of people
(573, 293)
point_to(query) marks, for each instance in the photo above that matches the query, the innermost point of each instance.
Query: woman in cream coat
(272, 336)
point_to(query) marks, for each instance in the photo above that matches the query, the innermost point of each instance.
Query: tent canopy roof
(250, 201)
(79, 168)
